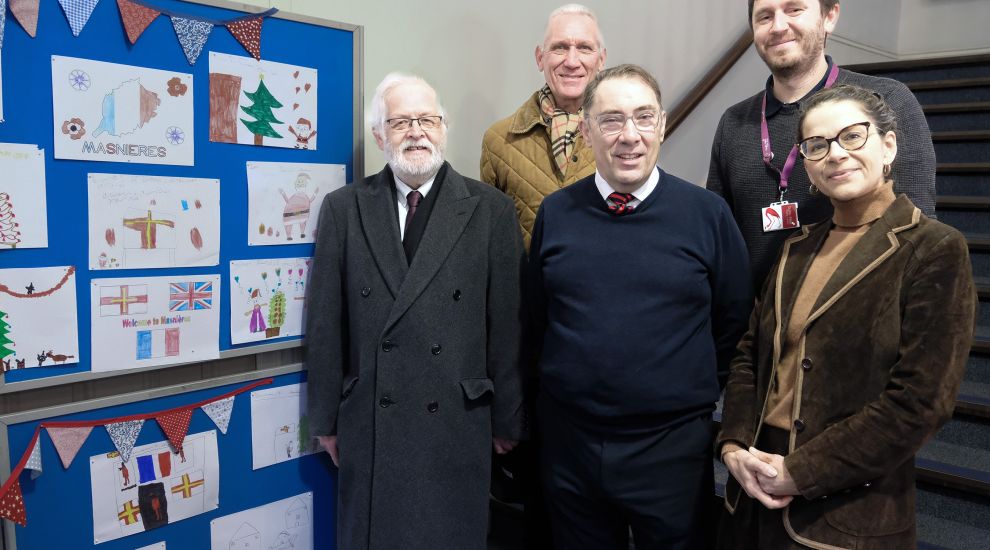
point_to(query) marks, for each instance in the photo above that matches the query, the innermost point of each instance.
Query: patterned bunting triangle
(12, 504)
(248, 33)
(136, 18)
(67, 442)
(219, 412)
(3, 19)
(78, 12)
(192, 35)
(175, 425)
(34, 461)
(26, 13)
(123, 435)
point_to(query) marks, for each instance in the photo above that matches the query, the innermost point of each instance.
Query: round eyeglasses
(850, 138)
(610, 123)
(426, 123)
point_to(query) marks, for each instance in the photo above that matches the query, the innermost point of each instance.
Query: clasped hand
(762, 475)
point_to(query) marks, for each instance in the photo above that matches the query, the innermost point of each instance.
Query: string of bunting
(68, 437)
(136, 15)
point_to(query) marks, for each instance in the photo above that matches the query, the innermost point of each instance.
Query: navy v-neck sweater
(640, 314)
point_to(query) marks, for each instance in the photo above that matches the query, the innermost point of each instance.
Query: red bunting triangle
(26, 13)
(175, 425)
(12, 504)
(136, 18)
(248, 33)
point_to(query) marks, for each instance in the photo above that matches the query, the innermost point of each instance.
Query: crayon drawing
(147, 321)
(38, 325)
(267, 298)
(120, 113)
(23, 210)
(284, 199)
(285, 524)
(153, 221)
(262, 102)
(155, 487)
(279, 425)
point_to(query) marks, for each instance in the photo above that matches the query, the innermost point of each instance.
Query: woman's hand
(781, 484)
(750, 472)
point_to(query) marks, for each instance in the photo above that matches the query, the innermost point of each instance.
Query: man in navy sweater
(639, 286)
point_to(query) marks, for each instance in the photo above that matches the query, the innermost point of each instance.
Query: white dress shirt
(401, 190)
(639, 195)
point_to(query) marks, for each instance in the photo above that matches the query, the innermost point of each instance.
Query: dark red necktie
(618, 203)
(412, 199)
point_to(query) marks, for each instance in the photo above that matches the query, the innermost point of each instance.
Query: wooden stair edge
(962, 167)
(926, 63)
(945, 475)
(948, 83)
(961, 135)
(959, 107)
(972, 406)
(962, 201)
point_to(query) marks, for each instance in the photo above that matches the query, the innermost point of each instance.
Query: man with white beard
(413, 336)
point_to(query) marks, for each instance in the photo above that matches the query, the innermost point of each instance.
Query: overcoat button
(366, 291)
(387, 346)
(457, 295)
(867, 484)
(806, 364)
(435, 349)
(385, 402)
(799, 425)
(432, 407)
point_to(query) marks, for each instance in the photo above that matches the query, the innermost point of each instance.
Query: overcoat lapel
(450, 216)
(379, 221)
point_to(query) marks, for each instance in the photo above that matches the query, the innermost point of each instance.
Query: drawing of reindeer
(41, 358)
(6, 365)
(58, 358)
(20, 363)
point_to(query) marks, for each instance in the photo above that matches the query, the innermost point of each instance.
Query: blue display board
(27, 106)
(59, 503)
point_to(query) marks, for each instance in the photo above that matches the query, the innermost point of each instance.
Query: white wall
(944, 27)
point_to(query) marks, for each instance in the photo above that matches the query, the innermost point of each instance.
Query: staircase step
(942, 117)
(962, 168)
(947, 68)
(963, 184)
(948, 83)
(959, 151)
(963, 107)
(969, 135)
(949, 519)
(969, 218)
(951, 90)
(962, 202)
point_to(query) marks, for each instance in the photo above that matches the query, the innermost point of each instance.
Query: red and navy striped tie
(618, 203)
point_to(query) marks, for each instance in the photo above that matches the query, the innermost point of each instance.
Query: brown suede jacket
(883, 353)
(516, 158)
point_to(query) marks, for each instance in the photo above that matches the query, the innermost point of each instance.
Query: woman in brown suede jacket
(853, 355)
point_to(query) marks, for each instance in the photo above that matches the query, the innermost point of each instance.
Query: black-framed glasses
(850, 138)
(612, 123)
(426, 123)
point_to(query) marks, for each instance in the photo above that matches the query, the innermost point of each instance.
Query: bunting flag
(78, 12)
(26, 13)
(248, 33)
(67, 441)
(219, 412)
(124, 434)
(175, 425)
(34, 461)
(12, 504)
(136, 18)
(192, 35)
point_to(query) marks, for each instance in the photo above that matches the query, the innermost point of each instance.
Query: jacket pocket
(476, 388)
(883, 507)
(348, 387)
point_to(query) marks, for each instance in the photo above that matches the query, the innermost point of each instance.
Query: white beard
(407, 170)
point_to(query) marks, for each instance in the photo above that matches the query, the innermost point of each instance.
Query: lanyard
(784, 173)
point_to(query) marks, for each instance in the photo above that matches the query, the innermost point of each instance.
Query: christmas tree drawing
(9, 234)
(261, 109)
(5, 342)
(276, 314)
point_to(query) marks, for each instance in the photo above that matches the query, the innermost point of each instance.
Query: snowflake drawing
(175, 135)
(79, 80)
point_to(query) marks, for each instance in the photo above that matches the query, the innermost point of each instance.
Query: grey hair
(574, 9)
(376, 119)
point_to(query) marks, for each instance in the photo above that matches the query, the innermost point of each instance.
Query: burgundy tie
(618, 203)
(412, 199)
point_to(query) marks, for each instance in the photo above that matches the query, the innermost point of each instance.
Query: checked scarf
(562, 126)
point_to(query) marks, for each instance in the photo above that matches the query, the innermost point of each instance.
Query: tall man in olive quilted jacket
(539, 149)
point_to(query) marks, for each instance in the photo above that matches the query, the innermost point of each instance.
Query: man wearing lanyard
(754, 162)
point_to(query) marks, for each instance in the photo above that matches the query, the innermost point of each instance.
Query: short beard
(801, 65)
(414, 171)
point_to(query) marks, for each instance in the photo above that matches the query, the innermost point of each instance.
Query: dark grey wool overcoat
(415, 367)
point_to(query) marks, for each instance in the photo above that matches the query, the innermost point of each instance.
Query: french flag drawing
(152, 467)
(157, 343)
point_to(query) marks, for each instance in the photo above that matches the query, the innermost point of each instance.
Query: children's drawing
(285, 524)
(153, 221)
(23, 210)
(262, 102)
(148, 321)
(279, 425)
(120, 113)
(155, 487)
(267, 298)
(155, 546)
(284, 199)
(38, 325)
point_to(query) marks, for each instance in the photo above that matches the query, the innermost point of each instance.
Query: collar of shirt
(639, 195)
(774, 104)
(401, 190)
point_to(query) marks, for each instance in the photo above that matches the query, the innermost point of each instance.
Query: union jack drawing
(189, 296)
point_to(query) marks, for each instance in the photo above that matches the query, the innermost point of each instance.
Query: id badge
(779, 216)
